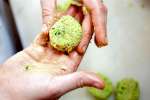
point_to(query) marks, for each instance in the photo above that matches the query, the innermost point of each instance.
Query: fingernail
(103, 43)
(106, 41)
(97, 85)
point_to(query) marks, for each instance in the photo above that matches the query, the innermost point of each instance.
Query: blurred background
(128, 53)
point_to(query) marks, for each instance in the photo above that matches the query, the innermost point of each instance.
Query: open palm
(40, 72)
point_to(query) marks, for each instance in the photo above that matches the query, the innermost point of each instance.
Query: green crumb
(106, 92)
(65, 34)
(127, 89)
(28, 67)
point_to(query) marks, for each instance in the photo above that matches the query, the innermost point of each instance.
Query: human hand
(39, 72)
(95, 19)
(98, 13)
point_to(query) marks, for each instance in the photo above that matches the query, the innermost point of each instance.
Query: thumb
(66, 83)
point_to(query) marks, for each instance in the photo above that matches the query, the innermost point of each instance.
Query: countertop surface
(6, 46)
(128, 53)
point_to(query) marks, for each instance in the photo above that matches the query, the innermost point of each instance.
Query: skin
(94, 21)
(41, 73)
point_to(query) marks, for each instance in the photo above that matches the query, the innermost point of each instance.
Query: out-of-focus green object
(63, 5)
(106, 92)
(127, 89)
(65, 34)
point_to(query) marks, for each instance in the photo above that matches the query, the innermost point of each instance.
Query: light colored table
(6, 48)
(128, 53)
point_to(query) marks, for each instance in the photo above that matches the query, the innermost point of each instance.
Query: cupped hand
(94, 21)
(39, 72)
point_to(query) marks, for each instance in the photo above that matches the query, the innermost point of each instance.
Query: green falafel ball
(106, 92)
(65, 34)
(127, 89)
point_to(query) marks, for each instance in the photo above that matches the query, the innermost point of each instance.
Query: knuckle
(106, 9)
(83, 79)
(103, 8)
(45, 12)
(80, 82)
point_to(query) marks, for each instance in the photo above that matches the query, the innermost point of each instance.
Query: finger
(76, 59)
(103, 36)
(48, 9)
(66, 83)
(79, 16)
(75, 11)
(43, 37)
(99, 14)
(87, 34)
